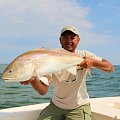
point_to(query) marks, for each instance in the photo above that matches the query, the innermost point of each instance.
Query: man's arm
(38, 85)
(104, 65)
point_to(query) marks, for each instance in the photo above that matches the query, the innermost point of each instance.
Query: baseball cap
(70, 28)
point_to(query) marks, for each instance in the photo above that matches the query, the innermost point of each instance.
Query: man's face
(69, 41)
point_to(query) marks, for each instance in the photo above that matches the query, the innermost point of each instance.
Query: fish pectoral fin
(89, 72)
(36, 74)
(72, 70)
(42, 78)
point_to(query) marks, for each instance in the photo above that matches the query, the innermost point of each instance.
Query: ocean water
(101, 84)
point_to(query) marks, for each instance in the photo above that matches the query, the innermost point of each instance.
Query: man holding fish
(70, 98)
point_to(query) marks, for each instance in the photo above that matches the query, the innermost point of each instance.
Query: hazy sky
(29, 24)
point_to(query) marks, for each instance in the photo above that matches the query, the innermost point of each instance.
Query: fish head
(18, 71)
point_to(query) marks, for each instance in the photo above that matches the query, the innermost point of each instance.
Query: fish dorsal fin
(59, 50)
(39, 49)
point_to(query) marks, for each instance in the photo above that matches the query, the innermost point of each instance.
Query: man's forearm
(104, 65)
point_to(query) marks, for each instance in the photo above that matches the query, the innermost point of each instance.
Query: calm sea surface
(99, 85)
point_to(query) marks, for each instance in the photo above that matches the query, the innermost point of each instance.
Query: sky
(29, 24)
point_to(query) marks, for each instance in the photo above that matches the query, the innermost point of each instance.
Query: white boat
(106, 108)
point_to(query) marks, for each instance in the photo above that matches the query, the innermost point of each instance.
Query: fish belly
(53, 65)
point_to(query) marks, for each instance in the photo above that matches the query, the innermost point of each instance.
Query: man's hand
(28, 81)
(38, 85)
(87, 63)
(103, 65)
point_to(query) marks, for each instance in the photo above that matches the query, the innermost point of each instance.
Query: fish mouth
(9, 79)
(13, 80)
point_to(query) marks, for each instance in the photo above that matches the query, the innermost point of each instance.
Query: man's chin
(69, 49)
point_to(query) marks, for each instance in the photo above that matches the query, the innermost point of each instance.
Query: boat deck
(106, 108)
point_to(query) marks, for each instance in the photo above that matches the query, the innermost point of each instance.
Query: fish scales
(39, 62)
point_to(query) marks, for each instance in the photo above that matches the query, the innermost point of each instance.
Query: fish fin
(72, 70)
(60, 50)
(36, 74)
(39, 49)
(89, 72)
(44, 80)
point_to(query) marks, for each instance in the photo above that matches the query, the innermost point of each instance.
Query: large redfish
(39, 62)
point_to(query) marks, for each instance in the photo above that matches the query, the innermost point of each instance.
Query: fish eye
(10, 71)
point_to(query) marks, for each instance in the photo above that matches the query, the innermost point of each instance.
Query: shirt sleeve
(85, 53)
